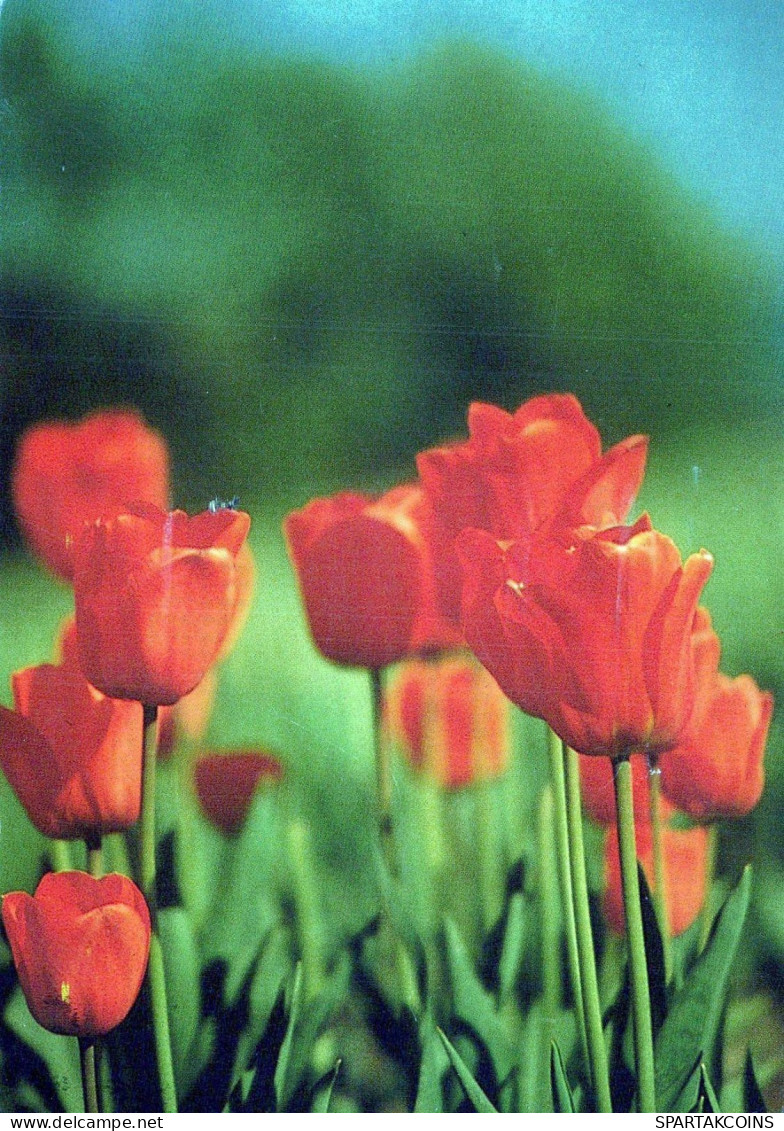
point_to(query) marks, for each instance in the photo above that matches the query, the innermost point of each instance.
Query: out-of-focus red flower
(365, 572)
(520, 472)
(80, 948)
(451, 720)
(71, 755)
(685, 863)
(716, 770)
(66, 475)
(226, 783)
(156, 595)
(594, 636)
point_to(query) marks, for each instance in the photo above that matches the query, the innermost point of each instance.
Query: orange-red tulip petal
(519, 473)
(80, 947)
(66, 475)
(156, 596)
(594, 636)
(717, 769)
(71, 755)
(364, 568)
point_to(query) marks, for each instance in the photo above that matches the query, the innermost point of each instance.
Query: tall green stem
(635, 938)
(383, 775)
(548, 903)
(391, 943)
(590, 983)
(87, 1059)
(706, 915)
(60, 855)
(659, 867)
(309, 927)
(156, 978)
(558, 780)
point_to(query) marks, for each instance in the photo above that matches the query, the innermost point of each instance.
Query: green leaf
(654, 954)
(475, 1094)
(432, 1065)
(284, 1086)
(513, 947)
(61, 1055)
(324, 1089)
(753, 1099)
(706, 1095)
(563, 1101)
(476, 1007)
(183, 989)
(694, 1015)
(272, 972)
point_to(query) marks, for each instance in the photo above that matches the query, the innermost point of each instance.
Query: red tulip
(80, 948)
(156, 595)
(716, 769)
(594, 636)
(518, 473)
(68, 474)
(364, 567)
(451, 719)
(226, 784)
(685, 865)
(71, 755)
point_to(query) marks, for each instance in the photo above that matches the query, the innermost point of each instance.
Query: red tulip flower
(450, 719)
(80, 948)
(520, 472)
(156, 596)
(594, 636)
(226, 784)
(685, 854)
(365, 572)
(66, 475)
(71, 755)
(716, 770)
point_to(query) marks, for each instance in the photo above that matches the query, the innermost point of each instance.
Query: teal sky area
(702, 81)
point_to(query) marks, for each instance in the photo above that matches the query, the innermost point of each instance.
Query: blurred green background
(302, 270)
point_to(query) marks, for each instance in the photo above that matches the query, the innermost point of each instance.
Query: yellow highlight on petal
(65, 992)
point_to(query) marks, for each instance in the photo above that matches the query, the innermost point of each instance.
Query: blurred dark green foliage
(305, 271)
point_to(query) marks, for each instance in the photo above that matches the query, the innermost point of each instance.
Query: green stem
(590, 983)
(659, 869)
(706, 915)
(491, 876)
(430, 813)
(635, 938)
(87, 1059)
(309, 928)
(156, 978)
(383, 775)
(548, 904)
(116, 852)
(558, 780)
(60, 855)
(93, 844)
